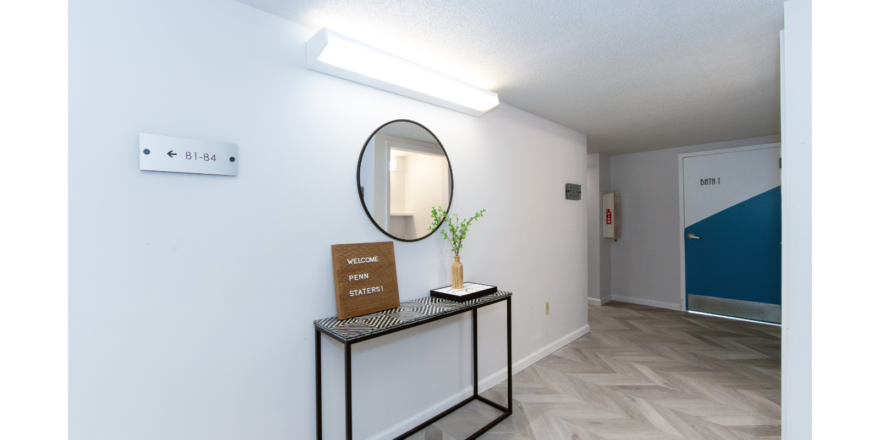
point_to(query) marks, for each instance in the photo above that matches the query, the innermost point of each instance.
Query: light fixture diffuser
(335, 54)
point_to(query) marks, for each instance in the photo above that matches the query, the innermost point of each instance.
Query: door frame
(681, 158)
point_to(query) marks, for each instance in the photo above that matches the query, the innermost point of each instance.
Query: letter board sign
(365, 278)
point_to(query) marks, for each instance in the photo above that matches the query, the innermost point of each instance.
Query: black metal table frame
(348, 343)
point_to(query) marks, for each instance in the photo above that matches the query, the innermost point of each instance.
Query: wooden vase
(457, 274)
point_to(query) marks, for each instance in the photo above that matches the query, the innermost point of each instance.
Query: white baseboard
(598, 302)
(486, 383)
(647, 302)
(500, 375)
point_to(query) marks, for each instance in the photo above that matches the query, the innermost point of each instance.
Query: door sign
(180, 155)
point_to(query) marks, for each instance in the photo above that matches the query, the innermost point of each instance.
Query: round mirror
(403, 172)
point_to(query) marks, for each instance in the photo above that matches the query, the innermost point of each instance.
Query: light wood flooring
(641, 373)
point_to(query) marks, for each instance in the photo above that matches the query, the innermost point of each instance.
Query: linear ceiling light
(335, 54)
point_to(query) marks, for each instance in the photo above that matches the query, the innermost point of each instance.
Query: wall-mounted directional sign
(180, 155)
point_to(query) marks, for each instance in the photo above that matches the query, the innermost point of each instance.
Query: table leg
(509, 363)
(348, 430)
(319, 425)
(476, 376)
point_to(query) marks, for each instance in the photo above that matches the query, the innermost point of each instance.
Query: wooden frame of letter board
(382, 273)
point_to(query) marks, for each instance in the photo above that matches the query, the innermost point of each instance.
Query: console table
(409, 314)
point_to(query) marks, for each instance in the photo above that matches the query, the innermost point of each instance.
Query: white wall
(797, 224)
(367, 177)
(399, 226)
(192, 297)
(397, 182)
(426, 183)
(645, 261)
(598, 248)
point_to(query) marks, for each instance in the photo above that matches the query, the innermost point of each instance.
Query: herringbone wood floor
(641, 373)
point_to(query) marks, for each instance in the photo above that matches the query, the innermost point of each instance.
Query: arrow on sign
(171, 154)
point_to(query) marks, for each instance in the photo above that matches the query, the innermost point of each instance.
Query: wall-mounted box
(572, 191)
(611, 215)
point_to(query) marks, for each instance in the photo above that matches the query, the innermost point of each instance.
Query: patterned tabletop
(409, 312)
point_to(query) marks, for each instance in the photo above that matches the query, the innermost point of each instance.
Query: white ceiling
(634, 75)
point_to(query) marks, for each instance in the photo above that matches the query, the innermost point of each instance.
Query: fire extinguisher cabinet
(611, 215)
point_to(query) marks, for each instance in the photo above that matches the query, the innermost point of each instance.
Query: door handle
(692, 236)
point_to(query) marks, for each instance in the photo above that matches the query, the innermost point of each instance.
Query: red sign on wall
(607, 216)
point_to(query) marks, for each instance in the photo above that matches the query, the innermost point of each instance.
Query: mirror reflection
(403, 173)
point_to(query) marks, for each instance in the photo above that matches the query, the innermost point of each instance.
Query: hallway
(642, 373)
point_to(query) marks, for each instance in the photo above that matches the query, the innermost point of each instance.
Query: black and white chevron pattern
(408, 312)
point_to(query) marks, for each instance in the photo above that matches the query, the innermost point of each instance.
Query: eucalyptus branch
(457, 228)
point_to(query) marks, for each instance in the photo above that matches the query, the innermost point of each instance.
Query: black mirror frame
(361, 195)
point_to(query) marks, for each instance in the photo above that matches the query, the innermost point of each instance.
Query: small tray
(469, 292)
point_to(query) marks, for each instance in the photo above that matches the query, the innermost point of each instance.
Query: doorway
(731, 232)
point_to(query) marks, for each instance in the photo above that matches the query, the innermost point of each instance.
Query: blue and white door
(733, 233)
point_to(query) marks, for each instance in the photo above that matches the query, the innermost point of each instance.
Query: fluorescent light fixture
(335, 54)
(393, 165)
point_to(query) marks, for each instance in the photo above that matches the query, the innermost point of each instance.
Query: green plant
(458, 229)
